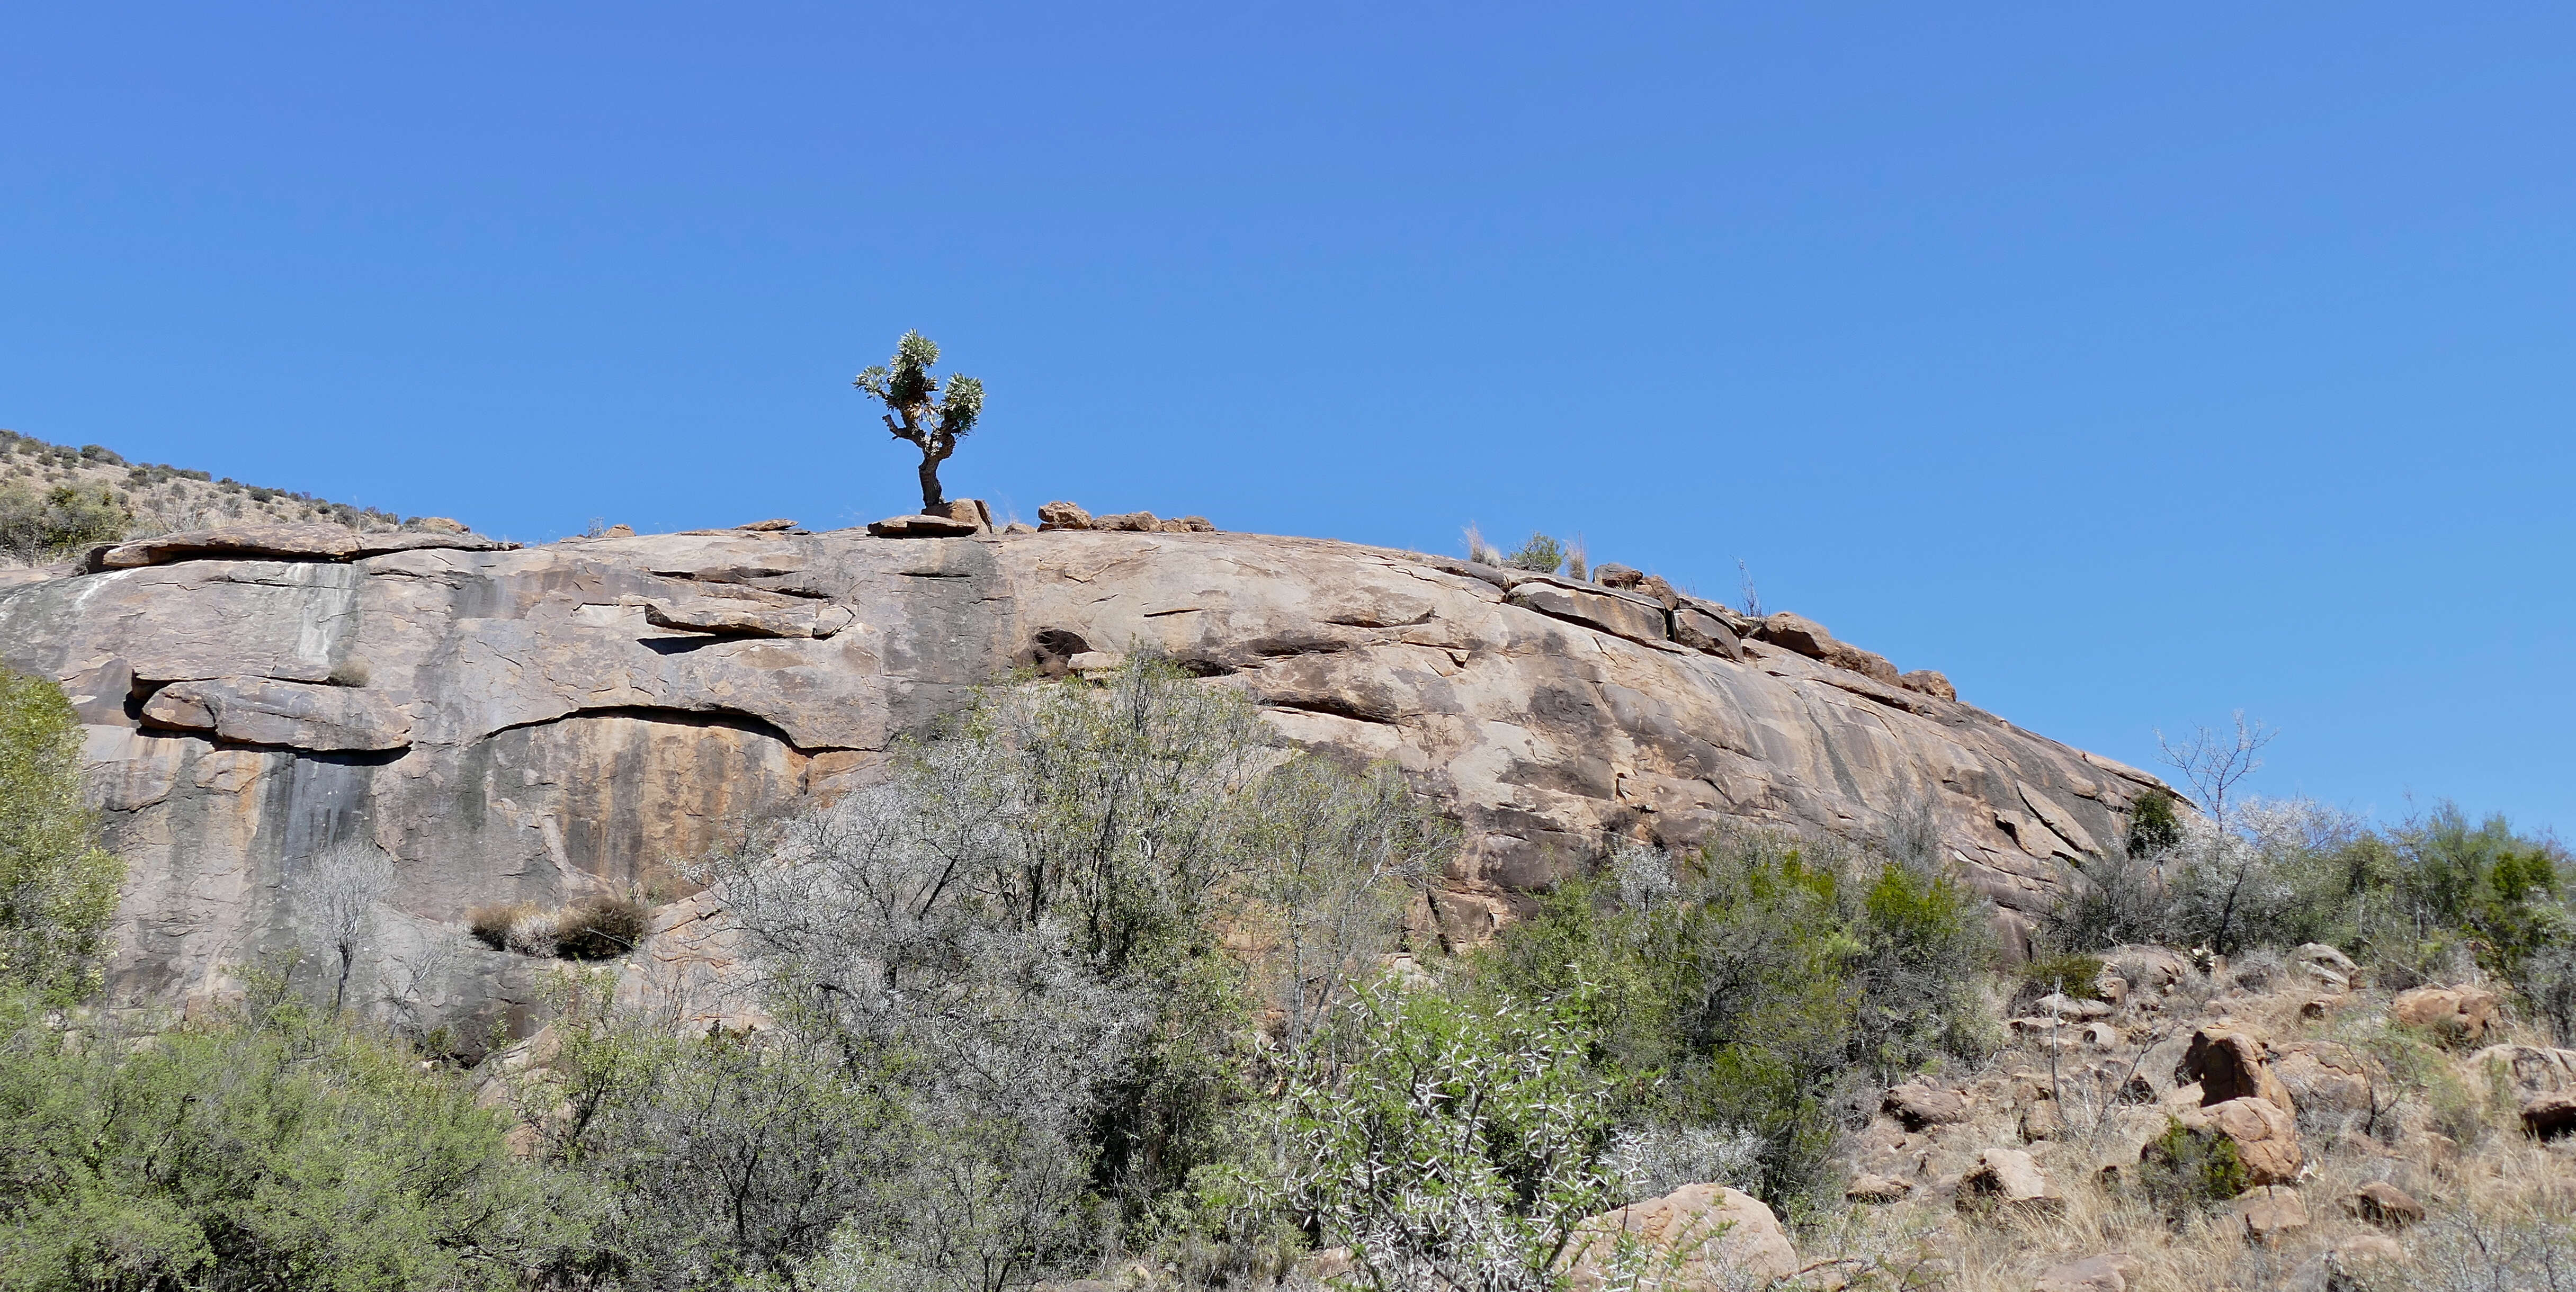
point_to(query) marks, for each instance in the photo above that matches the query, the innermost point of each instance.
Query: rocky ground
(2384, 1140)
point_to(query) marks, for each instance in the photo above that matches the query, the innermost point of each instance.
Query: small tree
(916, 410)
(342, 890)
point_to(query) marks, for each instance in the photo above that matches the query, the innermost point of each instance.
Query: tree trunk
(931, 502)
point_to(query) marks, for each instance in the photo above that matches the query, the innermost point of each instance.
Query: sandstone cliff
(554, 722)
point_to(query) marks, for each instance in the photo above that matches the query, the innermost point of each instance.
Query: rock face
(552, 723)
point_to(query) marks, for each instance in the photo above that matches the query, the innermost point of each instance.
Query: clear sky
(2129, 364)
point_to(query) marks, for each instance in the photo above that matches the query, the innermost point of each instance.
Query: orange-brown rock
(2229, 1064)
(2266, 1137)
(1714, 1238)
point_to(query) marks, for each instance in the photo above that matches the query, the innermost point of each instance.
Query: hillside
(1816, 976)
(122, 499)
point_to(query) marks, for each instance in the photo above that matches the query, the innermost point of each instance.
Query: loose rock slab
(318, 542)
(922, 527)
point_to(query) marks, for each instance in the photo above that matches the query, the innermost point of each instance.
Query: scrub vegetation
(1103, 982)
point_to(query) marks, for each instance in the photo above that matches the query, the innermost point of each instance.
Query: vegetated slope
(120, 499)
(538, 725)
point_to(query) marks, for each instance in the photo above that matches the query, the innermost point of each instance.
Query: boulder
(922, 527)
(1063, 515)
(773, 526)
(438, 525)
(1191, 525)
(2457, 1015)
(286, 542)
(971, 511)
(1704, 632)
(2265, 1135)
(616, 531)
(2323, 1074)
(2363, 1257)
(1653, 588)
(2550, 1116)
(2383, 1204)
(1924, 681)
(1809, 638)
(267, 711)
(2072, 1007)
(1715, 1238)
(1611, 574)
(1019, 527)
(2229, 1064)
(2318, 953)
(2109, 1272)
(1132, 522)
(2529, 1069)
(1916, 1106)
(2009, 1179)
(1615, 613)
(2271, 1212)
(1877, 1189)
(2322, 977)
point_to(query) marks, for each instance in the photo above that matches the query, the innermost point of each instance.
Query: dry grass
(594, 928)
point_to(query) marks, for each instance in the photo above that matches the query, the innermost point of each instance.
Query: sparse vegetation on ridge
(56, 500)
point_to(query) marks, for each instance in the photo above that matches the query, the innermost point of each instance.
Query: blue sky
(2130, 366)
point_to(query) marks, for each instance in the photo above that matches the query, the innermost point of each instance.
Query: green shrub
(1541, 553)
(40, 527)
(2154, 826)
(57, 886)
(2184, 1173)
(1766, 984)
(1450, 1140)
(266, 1147)
(2079, 976)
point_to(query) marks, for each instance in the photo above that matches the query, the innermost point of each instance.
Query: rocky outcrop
(547, 724)
(2265, 1135)
(2229, 1064)
(313, 542)
(2455, 1015)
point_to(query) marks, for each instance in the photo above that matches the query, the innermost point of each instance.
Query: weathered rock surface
(2109, 1272)
(1714, 1236)
(2229, 1064)
(2010, 1179)
(2267, 1138)
(546, 724)
(2271, 1212)
(2458, 1015)
(2384, 1204)
(921, 526)
(1918, 1106)
(315, 542)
